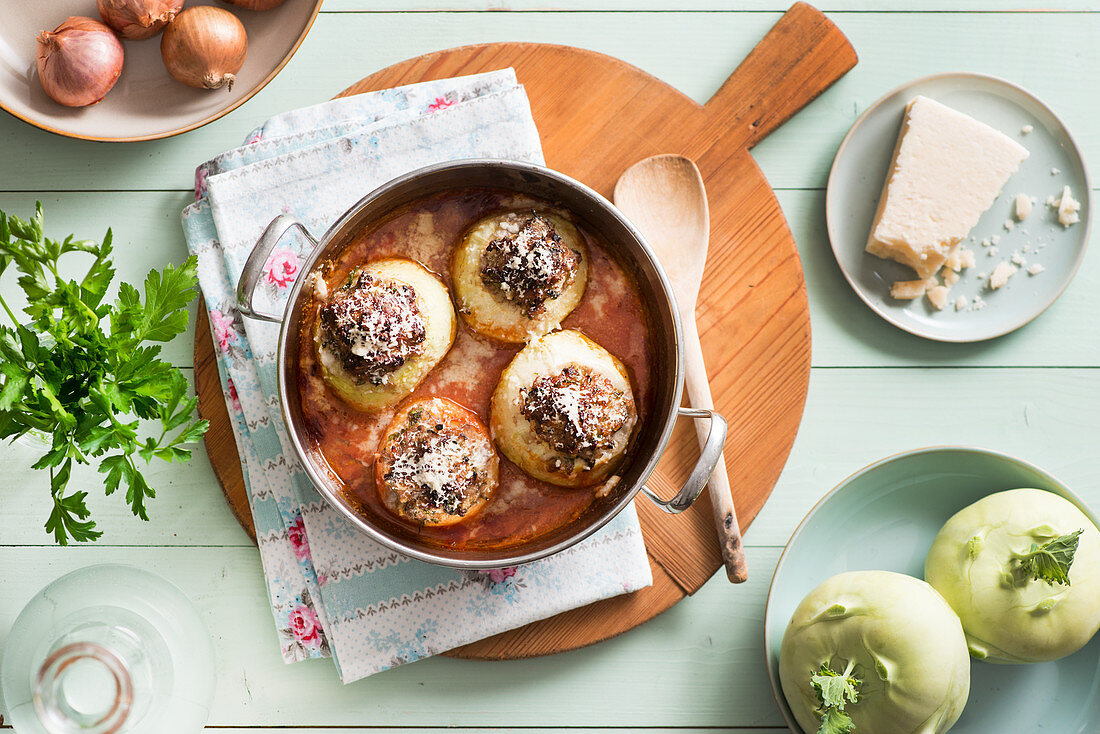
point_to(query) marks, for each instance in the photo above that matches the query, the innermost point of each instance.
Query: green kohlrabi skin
(907, 645)
(1009, 618)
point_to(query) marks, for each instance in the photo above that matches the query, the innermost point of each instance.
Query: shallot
(204, 47)
(137, 19)
(79, 61)
(255, 4)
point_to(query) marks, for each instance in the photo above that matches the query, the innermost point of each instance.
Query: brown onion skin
(204, 47)
(255, 4)
(79, 61)
(138, 19)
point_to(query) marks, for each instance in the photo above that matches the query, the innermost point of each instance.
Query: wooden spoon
(665, 198)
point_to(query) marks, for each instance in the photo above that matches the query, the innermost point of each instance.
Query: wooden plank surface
(689, 666)
(700, 665)
(829, 6)
(845, 332)
(1048, 56)
(1034, 413)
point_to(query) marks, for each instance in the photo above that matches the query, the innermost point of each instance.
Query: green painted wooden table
(1034, 393)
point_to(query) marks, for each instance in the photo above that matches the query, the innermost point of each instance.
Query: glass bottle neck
(83, 688)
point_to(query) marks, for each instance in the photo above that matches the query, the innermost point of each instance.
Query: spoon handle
(721, 497)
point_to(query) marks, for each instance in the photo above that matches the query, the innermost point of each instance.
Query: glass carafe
(108, 650)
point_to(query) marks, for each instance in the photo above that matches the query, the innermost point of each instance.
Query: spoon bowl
(665, 198)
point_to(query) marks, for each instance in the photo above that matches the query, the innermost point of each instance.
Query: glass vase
(108, 649)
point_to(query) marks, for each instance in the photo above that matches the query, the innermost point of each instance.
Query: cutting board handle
(800, 57)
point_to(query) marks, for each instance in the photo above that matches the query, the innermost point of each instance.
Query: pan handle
(708, 459)
(257, 259)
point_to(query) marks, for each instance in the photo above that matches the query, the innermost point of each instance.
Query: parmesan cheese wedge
(947, 170)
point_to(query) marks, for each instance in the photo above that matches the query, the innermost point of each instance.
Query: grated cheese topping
(373, 326)
(576, 411)
(527, 263)
(435, 467)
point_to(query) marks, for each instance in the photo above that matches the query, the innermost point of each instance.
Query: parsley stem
(10, 314)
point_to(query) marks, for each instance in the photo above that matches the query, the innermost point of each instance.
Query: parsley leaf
(1050, 561)
(835, 691)
(77, 370)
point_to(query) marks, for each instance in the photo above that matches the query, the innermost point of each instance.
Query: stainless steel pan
(596, 214)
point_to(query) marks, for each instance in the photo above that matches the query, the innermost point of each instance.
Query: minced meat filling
(576, 411)
(432, 469)
(529, 264)
(373, 325)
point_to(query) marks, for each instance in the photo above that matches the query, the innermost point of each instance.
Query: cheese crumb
(1026, 129)
(986, 242)
(950, 277)
(1023, 206)
(1035, 269)
(1055, 171)
(1001, 274)
(1018, 260)
(1009, 224)
(938, 296)
(959, 259)
(1068, 208)
(992, 251)
(977, 304)
(960, 303)
(907, 290)
(995, 239)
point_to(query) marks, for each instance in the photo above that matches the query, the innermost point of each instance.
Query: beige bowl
(146, 103)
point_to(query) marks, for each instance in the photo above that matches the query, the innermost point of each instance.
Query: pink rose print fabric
(224, 332)
(304, 625)
(298, 541)
(439, 103)
(500, 575)
(234, 398)
(303, 630)
(282, 267)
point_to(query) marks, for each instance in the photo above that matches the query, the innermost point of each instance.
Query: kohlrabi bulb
(1000, 564)
(892, 633)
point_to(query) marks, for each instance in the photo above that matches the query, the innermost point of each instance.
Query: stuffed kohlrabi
(871, 652)
(1021, 568)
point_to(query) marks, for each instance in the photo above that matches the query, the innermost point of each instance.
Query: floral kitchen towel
(333, 591)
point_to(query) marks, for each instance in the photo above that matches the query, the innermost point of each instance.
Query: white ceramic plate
(885, 517)
(858, 174)
(146, 103)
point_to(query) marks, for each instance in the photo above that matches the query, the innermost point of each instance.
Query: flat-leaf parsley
(77, 370)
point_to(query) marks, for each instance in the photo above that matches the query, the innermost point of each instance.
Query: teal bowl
(884, 517)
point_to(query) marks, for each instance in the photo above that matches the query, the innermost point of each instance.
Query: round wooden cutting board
(597, 116)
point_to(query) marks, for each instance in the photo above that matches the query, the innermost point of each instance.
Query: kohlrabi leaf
(834, 691)
(1050, 561)
(835, 721)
